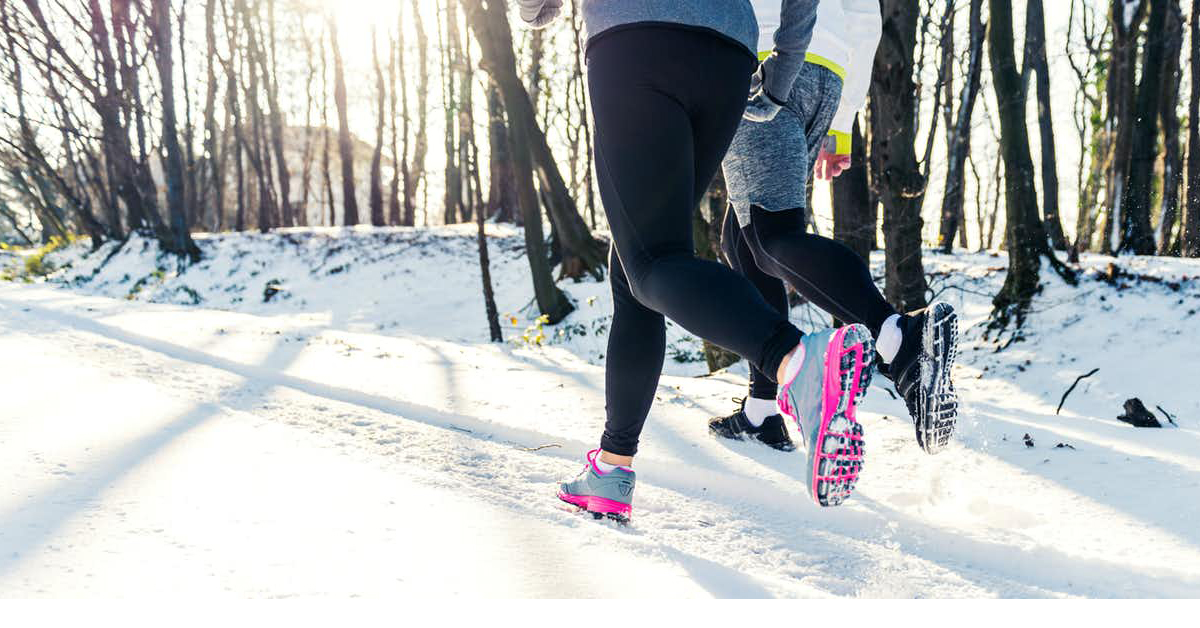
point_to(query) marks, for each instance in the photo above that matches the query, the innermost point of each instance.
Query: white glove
(539, 13)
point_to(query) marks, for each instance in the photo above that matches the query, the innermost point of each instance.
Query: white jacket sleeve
(864, 27)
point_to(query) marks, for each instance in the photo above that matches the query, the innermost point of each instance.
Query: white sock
(757, 410)
(604, 466)
(793, 366)
(890, 336)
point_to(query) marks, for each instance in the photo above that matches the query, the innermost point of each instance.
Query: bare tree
(345, 145)
(1126, 18)
(1191, 226)
(896, 174)
(958, 136)
(850, 195)
(1134, 224)
(1026, 237)
(399, 158)
(160, 28)
(421, 139)
(490, 25)
(1036, 63)
(1095, 137)
(376, 199)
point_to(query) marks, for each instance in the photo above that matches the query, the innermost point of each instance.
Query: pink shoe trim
(832, 393)
(591, 458)
(592, 503)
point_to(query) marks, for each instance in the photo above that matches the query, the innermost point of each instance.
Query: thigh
(644, 163)
(715, 125)
(766, 165)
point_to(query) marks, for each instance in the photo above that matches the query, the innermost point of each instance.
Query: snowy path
(210, 452)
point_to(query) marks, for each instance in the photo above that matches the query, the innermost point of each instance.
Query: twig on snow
(1168, 415)
(539, 447)
(1077, 380)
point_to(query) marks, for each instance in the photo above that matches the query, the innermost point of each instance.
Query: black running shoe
(772, 433)
(921, 373)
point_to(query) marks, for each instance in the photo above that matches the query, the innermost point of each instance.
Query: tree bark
(489, 297)
(706, 232)
(1026, 236)
(958, 140)
(502, 193)
(1121, 89)
(180, 241)
(896, 174)
(1035, 58)
(495, 40)
(853, 224)
(1191, 225)
(345, 145)
(1169, 113)
(399, 159)
(421, 139)
(1135, 231)
(453, 193)
(376, 197)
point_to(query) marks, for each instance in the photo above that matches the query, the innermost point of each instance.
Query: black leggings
(775, 247)
(667, 102)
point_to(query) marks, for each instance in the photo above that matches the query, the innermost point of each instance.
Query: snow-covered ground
(176, 432)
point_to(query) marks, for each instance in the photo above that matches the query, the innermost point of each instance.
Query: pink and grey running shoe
(602, 494)
(822, 398)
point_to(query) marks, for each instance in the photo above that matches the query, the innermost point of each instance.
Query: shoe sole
(599, 507)
(937, 401)
(837, 452)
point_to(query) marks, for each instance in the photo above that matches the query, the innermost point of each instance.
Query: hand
(830, 163)
(761, 106)
(538, 15)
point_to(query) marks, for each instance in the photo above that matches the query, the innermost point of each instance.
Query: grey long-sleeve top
(733, 19)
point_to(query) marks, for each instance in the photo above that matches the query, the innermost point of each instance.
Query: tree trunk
(376, 198)
(345, 145)
(1121, 88)
(502, 193)
(706, 232)
(489, 298)
(421, 139)
(495, 40)
(453, 193)
(180, 241)
(1035, 58)
(1169, 112)
(1026, 237)
(326, 175)
(1136, 235)
(399, 160)
(213, 174)
(958, 137)
(896, 173)
(1191, 225)
(853, 224)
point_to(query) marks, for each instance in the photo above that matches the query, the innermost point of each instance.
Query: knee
(650, 280)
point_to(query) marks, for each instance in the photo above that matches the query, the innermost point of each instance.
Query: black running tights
(774, 248)
(667, 102)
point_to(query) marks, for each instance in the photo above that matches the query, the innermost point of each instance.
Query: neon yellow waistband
(814, 59)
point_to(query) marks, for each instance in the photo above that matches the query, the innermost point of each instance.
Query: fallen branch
(1168, 415)
(1077, 380)
(539, 447)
